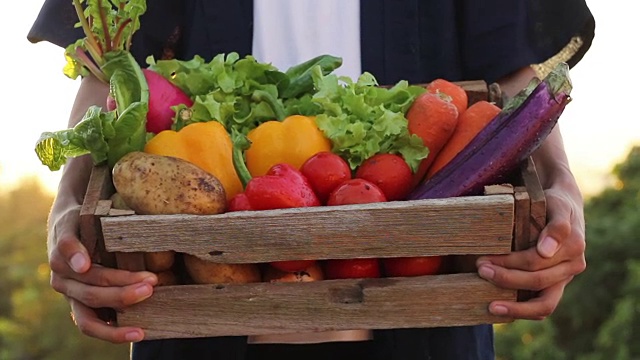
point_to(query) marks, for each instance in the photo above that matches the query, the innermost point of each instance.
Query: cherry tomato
(356, 191)
(390, 173)
(292, 265)
(352, 268)
(325, 171)
(412, 266)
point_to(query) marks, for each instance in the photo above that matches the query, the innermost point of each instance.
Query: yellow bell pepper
(292, 140)
(205, 144)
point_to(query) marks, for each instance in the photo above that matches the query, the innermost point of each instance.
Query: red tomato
(325, 171)
(412, 266)
(352, 268)
(390, 173)
(292, 265)
(356, 191)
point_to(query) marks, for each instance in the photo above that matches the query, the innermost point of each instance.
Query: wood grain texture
(272, 308)
(536, 217)
(531, 181)
(465, 225)
(99, 187)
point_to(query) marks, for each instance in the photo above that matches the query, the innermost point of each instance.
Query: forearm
(76, 172)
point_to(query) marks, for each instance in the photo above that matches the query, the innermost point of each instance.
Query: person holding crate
(417, 41)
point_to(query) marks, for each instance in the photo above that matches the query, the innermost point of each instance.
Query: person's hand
(547, 268)
(89, 286)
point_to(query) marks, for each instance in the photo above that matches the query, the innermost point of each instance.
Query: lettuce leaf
(238, 92)
(106, 135)
(362, 119)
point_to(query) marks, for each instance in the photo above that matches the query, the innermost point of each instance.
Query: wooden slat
(538, 201)
(265, 308)
(476, 90)
(98, 188)
(536, 218)
(402, 228)
(521, 231)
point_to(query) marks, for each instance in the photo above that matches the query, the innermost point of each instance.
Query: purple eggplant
(510, 138)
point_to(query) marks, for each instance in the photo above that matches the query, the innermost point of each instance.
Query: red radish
(162, 96)
(390, 173)
(111, 103)
(325, 171)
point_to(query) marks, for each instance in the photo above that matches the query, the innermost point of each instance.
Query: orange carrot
(458, 95)
(434, 120)
(470, 123)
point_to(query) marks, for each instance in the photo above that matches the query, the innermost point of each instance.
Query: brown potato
(166, 278)
(207, 272)
(159, 261)
(118, 203)
(155, 184)
(312, 273)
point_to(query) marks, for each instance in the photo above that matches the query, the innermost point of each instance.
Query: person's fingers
(98, 297)
(78, 267)
(103, 276)
(89, 324)
(69, 253)
(535, 309)
(572, 250)
(525, 280)
(526, 260)
(563, 225)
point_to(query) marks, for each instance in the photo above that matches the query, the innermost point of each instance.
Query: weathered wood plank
(538, 201)
(537, 215)
(266, 308)
(458, 226)
(98, 189)
(521, 231)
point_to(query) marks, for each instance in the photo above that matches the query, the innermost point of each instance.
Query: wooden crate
(506, 218)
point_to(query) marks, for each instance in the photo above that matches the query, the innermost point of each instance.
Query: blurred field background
(598, 318)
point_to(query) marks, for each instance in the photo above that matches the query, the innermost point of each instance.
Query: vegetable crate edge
(507, 217)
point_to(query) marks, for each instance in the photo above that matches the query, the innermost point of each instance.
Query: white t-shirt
(288, 32)
(314, 27)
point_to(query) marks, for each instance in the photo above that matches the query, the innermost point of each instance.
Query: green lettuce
(362, 119)
(240, 93)
(106, 135)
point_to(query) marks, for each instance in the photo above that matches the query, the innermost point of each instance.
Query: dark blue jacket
(412, 40)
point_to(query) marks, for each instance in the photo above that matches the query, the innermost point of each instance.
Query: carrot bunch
(446, 124)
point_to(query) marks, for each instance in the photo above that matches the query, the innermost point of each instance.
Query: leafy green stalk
(108, 26)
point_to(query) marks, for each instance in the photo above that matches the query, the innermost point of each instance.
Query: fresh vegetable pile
(233, 134)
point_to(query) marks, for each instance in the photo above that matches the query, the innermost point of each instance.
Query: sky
(598, 126)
